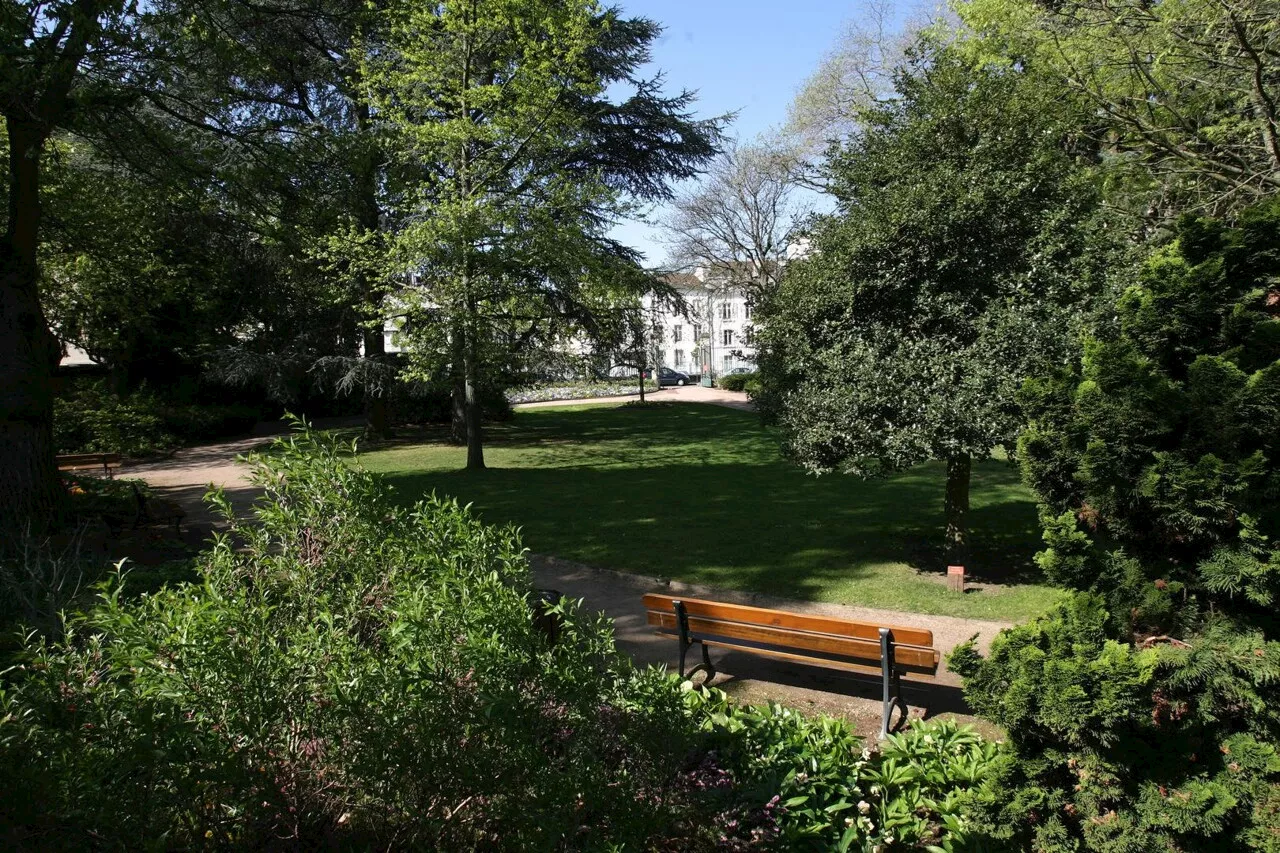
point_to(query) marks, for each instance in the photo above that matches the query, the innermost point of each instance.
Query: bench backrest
(821, 637)
(73, 460)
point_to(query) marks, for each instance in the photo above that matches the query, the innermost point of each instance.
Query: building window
(728, 362)
(679, 356)
(697, 331)
(728, 337)
(748, 336)
(677, 332)
(746, 310)
(726, 311)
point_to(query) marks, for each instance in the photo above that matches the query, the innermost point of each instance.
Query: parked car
(667, 376)
(740, 371)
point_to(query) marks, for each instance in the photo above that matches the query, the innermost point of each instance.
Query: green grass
(700, 494)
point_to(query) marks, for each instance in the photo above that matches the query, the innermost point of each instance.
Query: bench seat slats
(870, 669)
(804, 641)
(902, 636)
(861, 663)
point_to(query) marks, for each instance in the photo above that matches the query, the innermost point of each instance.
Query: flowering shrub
(822, 788)
(577, 390)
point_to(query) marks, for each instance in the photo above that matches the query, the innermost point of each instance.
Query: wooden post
(955, 578)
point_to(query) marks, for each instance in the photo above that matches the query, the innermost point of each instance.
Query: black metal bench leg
(888, 672)
(707, 666)
(687, 641)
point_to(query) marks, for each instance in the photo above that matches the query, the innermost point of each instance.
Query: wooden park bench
(108, 463)
(157, 511)
(813, 640)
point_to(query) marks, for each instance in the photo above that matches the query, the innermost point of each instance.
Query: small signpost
(955, 578)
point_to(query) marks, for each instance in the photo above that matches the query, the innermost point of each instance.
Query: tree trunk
(31, 495)
(367, 214)
(642, 368)
(957, 508)
(475, 440)
(377, 416)
(458, 388)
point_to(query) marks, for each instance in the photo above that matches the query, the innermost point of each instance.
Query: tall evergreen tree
(518, 157)
(1143, 715)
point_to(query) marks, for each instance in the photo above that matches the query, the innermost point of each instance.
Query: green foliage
(500, 121)
(1163, 438)
(964, 254)
(1184, 92)
(1143, 715)
(951, 271)
(737, 381)
(1168, 745)
(432, 403)
(93, 420)
(89, 418)
(342, 672)
(831, 792)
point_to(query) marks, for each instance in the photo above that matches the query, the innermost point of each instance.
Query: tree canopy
(952, 269)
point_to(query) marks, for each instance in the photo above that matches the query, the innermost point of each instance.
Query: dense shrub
(93, 420)
(88, 418)
(822, 789)
(342, 672)
(737, 381)
(196, 422)
(1159, 746)
(1144, 714)
(421, 403)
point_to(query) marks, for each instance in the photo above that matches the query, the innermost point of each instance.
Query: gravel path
(757, 679)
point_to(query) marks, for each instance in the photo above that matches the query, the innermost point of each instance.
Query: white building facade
(713, 334)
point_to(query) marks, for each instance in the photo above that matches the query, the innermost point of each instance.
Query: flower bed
(575, 391)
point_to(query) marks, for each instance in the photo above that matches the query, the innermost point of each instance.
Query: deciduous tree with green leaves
(57, 61)
(952, 269)
(1186, 95)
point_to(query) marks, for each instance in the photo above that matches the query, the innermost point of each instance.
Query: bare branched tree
(736, 225)
(855, 75)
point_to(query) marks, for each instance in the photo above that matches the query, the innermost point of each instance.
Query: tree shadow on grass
(700, 493)
(767, 528)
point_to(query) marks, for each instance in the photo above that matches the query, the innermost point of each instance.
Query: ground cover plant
(832, 791)
(701, 493)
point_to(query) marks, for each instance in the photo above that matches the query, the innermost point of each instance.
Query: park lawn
(700, 494)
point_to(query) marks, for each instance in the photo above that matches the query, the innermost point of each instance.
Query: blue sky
(745, 55)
